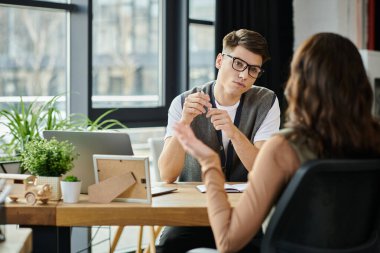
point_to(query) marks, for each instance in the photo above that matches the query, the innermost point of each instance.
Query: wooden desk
(186, 207)
(25, 214)
(47, 237)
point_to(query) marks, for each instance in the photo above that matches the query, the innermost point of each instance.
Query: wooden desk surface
(186, 207)
(25, 214)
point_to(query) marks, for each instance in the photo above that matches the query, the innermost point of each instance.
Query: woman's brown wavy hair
(330, 99)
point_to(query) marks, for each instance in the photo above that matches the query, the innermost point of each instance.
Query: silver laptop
(89, 143)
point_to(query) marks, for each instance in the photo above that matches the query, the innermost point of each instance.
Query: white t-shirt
(270, 125)
(231, 110)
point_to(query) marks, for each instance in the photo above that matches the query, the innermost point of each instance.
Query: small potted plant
(49, 160)
(70, 186)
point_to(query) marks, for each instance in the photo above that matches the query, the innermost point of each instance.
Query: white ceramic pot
(70, 191)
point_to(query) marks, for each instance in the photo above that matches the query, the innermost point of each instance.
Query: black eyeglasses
(240, 65)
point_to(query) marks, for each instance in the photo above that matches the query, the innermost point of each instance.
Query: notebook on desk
(160, 190)
(89, 143)
(229, 188)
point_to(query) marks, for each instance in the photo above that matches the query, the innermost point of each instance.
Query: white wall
(344, 17)
(371, 60)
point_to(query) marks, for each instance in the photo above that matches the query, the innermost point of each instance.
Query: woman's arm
(234, 227)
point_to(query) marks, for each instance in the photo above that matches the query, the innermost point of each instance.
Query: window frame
(73, 9)
(191, 21)
(174, 69)
(70, 7)
(175, 59)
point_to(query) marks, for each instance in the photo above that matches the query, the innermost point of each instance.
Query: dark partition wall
(377, 97)
(274, 20)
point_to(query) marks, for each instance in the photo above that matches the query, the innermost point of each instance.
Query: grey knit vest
(256, 104)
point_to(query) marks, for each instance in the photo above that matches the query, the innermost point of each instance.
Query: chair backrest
(156, 145)
(328, 206)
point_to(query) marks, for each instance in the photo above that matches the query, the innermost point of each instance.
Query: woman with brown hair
(329, 116)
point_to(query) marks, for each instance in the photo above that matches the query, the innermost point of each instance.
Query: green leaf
(27, 121)
(71, 178)
(52, 158)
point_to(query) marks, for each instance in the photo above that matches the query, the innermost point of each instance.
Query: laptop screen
(89, 143)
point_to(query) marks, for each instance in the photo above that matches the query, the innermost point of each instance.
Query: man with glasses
(231, 116)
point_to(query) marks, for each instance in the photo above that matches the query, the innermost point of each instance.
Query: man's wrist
(235, 134)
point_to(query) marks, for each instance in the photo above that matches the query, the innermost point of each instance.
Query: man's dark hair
(250, 40)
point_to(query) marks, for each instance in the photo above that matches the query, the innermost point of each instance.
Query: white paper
(227, 187)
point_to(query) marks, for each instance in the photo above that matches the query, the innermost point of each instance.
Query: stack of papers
(227, 187)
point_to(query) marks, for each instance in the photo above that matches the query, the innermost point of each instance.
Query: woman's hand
(193, 145)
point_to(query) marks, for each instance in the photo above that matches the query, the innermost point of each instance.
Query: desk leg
(50, 239)
(59, 239)
(116, 238)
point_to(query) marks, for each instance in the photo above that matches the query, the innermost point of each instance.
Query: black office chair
(329, 206)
